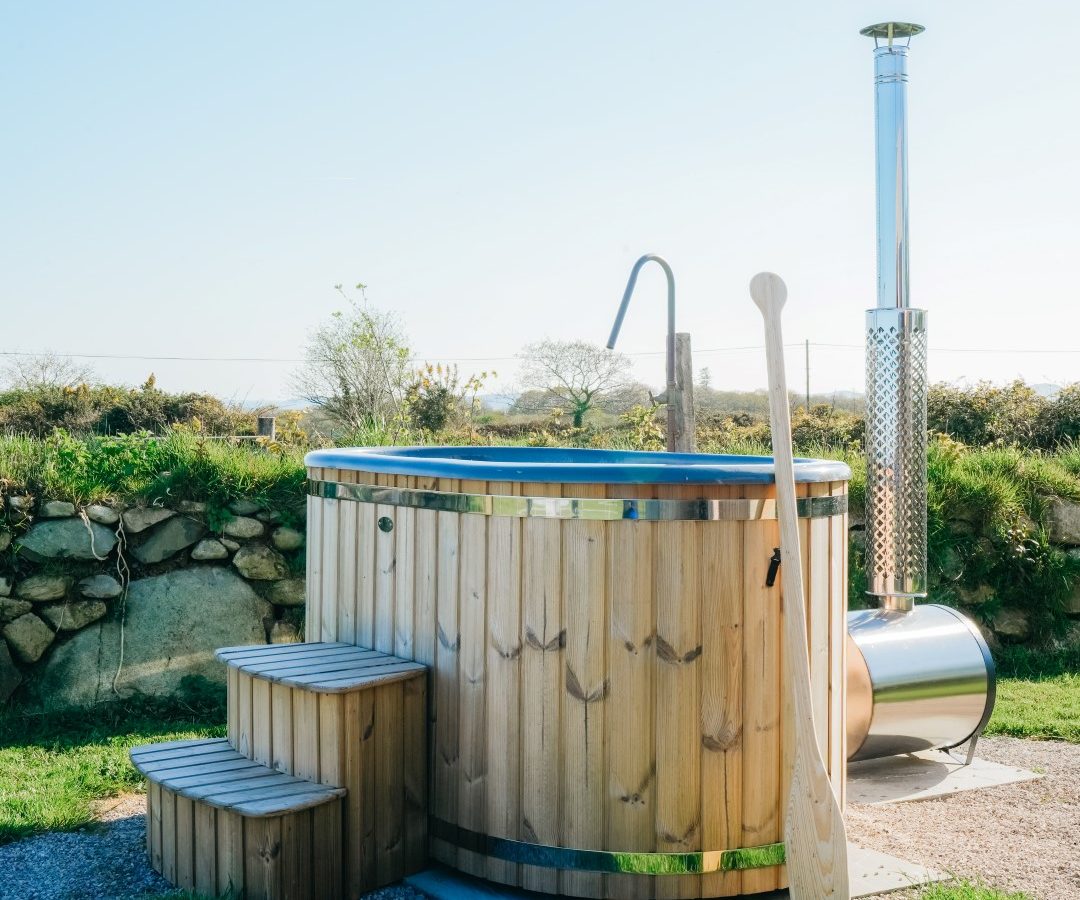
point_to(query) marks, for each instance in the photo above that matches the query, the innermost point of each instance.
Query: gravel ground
(101, 862)
(1020, 837)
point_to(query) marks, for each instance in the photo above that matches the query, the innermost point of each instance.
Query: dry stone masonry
(108, 601)
(169, 583)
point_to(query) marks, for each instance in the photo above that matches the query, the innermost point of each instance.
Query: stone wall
(106, 601)
(1002, 619)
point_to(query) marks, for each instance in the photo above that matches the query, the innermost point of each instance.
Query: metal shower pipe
(671, 388)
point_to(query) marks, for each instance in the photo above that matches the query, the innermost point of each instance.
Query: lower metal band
(549, 857)
(575, 508)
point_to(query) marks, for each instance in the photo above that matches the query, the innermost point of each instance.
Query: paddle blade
(769, 293)
(814, 833)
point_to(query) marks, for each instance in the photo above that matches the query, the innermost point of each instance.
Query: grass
(967, 890)
(178, 465)
(52, 769)
(1038, 693)
(1040, 708)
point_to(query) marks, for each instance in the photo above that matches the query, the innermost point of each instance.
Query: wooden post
(683, 421)
(266, 427)
(808, 376)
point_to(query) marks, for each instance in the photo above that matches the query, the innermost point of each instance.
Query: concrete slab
(874, 873)
(871, 873)
(920, 776)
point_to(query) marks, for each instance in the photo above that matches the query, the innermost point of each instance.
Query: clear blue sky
(192, 179)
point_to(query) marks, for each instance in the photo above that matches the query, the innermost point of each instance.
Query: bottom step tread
(211, 772)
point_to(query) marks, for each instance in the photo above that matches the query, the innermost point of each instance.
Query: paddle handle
(814, 829)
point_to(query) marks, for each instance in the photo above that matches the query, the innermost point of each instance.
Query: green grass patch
(53, 768)
(1040, 708)
(968, 890)
(179, 465)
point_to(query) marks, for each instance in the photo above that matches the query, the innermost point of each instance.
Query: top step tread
(227, 785)
(324, 667)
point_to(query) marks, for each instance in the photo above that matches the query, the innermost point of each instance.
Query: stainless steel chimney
(895, 353)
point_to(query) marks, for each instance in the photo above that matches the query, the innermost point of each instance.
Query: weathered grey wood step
(223, 825)
(324, 668)
(342, 715)
(215, 774)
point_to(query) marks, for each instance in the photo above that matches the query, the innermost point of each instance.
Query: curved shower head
(630, 284)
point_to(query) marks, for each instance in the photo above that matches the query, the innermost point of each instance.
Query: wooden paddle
(814, 835)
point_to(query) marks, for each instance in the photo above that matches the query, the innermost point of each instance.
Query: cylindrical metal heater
(918, 679)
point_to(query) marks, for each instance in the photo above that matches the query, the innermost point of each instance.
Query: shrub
(1013, 415)
(108, 409)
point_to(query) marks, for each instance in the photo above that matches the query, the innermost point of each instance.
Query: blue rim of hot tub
(570, 466)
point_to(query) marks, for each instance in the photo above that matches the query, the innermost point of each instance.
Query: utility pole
(808, 376)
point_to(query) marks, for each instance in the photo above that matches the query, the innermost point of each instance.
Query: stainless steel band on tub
(550, 857)
(597, 509)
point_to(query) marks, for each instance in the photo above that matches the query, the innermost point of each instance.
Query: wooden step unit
(346, 716)
(221, 824)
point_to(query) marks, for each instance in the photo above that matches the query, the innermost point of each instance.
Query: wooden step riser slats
(218, 852)
(302, 712)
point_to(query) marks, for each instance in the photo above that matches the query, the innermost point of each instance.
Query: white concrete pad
(920, 776)
(870, 873)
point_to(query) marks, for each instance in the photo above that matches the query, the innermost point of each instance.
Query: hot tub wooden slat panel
(838, 648)
(629, 708)
(426, 596)
(678, 692)
(543, 639)
(472, 723)
(503, 750)
(314, 599)
(444, 801)
(475, 695)
(345, 608)
(761, 699)
(817, 577)
(385, 571)
(364, 602)
(331, 560)
(584, 565)
(721, 699)
(404, 577)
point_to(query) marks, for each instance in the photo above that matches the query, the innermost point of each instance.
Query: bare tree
(576, 374)
(357, 365)
(46, 370)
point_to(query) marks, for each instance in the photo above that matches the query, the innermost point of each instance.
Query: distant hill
(496, 402)
(1047, 390)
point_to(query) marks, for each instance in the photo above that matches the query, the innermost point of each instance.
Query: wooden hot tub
(606, 705)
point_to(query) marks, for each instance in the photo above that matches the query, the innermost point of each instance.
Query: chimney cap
(890, 30)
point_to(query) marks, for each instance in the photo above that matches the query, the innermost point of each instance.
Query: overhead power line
(489, 359)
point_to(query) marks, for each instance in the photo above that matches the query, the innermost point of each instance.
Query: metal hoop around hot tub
(594, 509)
